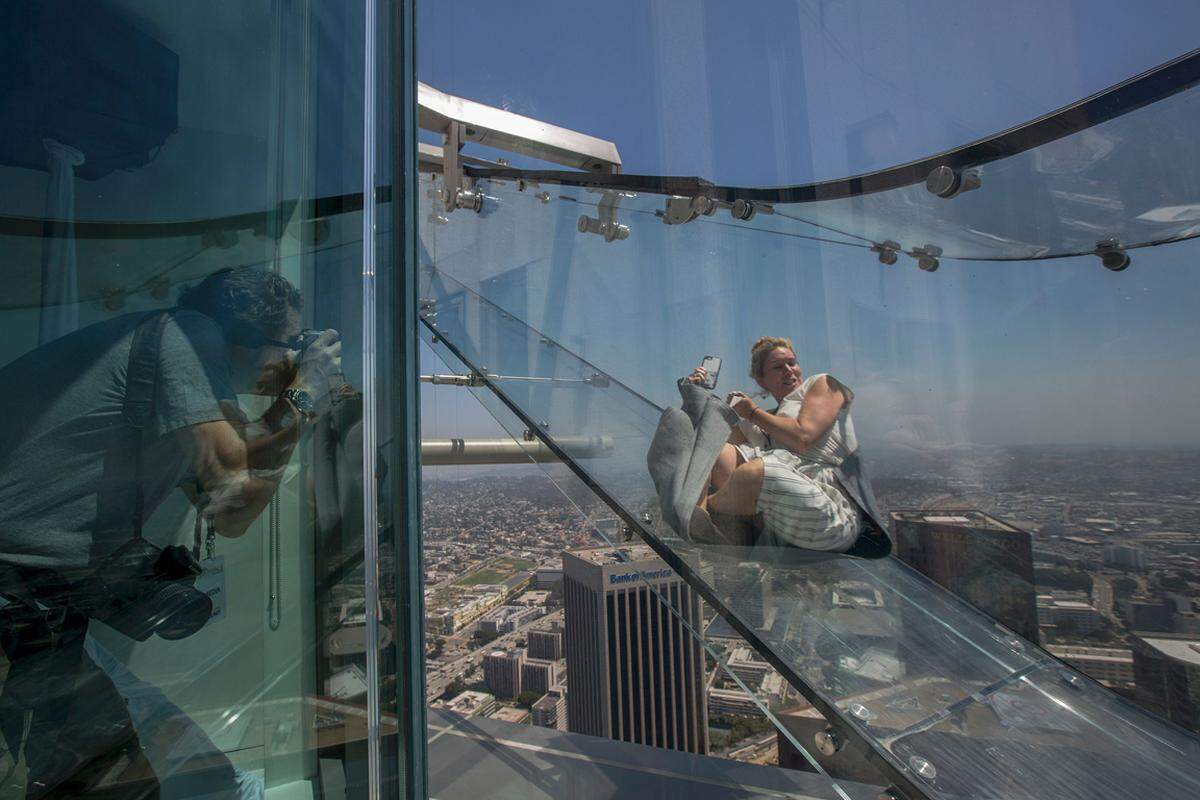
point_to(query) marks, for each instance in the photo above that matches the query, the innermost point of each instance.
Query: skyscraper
(502, 673)
(637, 674)
(547, 645)
(983, 560)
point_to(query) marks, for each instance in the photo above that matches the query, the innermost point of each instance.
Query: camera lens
(182, 610)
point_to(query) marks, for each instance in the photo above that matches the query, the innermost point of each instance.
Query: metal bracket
(927, 257)
(473, 379)
(457, 191)
(887, 251)
(1112, 255)
(947, 182)
(605, 223)
(828, 742)
(513, 133)
(681, 210)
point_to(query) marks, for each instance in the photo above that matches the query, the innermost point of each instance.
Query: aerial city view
(1087, 551)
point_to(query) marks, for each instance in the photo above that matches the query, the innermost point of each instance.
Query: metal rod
(444, 452)
(475, 379)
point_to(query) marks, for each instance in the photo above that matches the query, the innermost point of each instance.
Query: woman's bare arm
(822, 403)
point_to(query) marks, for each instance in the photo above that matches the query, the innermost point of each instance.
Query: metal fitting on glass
(859, 711)
(1071, 679)
(947, 182)
(743, 210)
(887, 250)
(685, 209)
(890, 793)
(1112, 255)
(470, 199)
(927, 257)
(543, 197)
(828, 742)
(605, 224)
(922, 767)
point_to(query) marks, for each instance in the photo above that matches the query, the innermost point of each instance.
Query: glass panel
(476, 550)
(181, 493)
(518, 291)
(1125, 180)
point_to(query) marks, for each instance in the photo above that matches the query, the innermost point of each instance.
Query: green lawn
(483, 576)
(498, 571)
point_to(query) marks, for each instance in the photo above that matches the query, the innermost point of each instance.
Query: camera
(140, 590)
(304, 338)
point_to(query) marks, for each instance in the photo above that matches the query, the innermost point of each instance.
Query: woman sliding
(784, 463)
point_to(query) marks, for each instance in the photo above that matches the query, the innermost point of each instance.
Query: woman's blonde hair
(761, 349)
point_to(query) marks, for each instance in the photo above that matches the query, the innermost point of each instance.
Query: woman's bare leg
(727, 462)
(739, 495)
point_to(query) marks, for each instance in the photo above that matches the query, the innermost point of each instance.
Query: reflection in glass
(182, 602)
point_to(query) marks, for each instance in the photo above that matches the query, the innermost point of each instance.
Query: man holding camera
(101, 426)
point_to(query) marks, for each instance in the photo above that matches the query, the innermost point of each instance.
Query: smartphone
(712, 368)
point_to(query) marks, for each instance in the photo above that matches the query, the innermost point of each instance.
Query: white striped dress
(801, 501)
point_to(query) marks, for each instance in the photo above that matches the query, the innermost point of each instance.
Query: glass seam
(369, 432)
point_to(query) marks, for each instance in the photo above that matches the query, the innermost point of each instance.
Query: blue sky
(748, 92)
(772, 93)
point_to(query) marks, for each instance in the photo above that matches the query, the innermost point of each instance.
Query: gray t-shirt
(67, 482)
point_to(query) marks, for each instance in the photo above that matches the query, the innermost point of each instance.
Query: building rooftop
(509, 714)
(1113, 654)
(1185, 649)
(965, 518)
(607, 555)
(469, 702)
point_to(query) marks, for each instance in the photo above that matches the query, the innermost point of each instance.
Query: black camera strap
(141, 386)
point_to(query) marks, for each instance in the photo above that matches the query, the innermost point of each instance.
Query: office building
(468, 704)
(502, 673)
(550, 711)
(1145, 614)
(1166, 668)
(637, 674)
(507, 619)
(983, 560)
(1068, 615)
(538, 676)
(744, 664)
(546, 645)
(1125, 557)
(547, 577)
(1112, 666)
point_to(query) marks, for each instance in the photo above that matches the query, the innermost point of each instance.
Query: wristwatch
(302, 401)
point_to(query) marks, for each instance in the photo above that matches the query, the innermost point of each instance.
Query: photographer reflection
(100, 427)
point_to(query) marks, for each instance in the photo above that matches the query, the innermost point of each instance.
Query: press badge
(212, 582)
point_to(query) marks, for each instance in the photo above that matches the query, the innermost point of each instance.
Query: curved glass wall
(1037, 488)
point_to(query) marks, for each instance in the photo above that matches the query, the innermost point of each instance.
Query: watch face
(302, 400)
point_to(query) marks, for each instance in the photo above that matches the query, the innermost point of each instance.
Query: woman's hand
(699, 375)
(742, 405)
